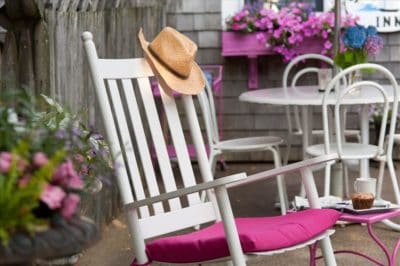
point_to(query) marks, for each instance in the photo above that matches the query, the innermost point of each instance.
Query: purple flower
(373, 44)
(52, 196)
(69, 205)
(61, 134)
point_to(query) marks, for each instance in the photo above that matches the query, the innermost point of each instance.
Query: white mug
(365, 185)
(324, 77)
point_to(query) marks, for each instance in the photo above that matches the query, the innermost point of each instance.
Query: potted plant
(48, 160)
(291, 31)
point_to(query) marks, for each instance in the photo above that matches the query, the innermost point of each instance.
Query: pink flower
(52, 196)
(21, 165)
(40, 159)
(66, 176)
(69, 205)
(261, 38)
(5, 161)
(84, 170)
(75, 182)
(327, 45)
(79, 158)
(24, 180)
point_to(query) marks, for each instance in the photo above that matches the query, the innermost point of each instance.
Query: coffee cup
(365, 184)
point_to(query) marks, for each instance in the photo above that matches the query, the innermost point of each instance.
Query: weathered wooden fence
(43, 53)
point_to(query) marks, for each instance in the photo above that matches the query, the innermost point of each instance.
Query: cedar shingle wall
(201, 21)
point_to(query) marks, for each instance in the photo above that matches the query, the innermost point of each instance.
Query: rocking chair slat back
(160, 147)
(179, 142)
(133, 126)
(126, 143)
(139, 132)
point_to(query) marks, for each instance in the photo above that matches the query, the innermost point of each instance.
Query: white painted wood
(184, 191)
(158, 140)
(121, 141)
(105, 108)
(197, 138)
(138, 242)
(178, 139)
(137, 124)
(122, 68)
(177, 220)
(126, 143)
(231, 232)
(228, 8)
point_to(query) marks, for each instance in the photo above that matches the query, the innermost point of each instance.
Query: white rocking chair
(154, 209)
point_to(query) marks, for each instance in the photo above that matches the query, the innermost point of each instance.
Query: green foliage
(29, 126)
(351, 57)
(18, 202)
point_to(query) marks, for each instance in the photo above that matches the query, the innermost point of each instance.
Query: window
(229, 7)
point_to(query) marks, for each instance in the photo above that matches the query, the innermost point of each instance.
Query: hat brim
(191, 85)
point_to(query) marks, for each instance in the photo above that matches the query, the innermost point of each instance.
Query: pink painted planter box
(243, 44)
(246, 44)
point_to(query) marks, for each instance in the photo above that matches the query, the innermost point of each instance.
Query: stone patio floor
(258, 199)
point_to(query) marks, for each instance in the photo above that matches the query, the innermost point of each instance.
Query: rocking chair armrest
(285, 169)
(223, 181)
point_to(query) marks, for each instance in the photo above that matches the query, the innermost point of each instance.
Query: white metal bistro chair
(359, 151)
(295, 125)
(156, 208)
(249, 144)
(295, 128)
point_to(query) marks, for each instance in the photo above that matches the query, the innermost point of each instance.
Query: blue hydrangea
(354, 37)
(371, 31)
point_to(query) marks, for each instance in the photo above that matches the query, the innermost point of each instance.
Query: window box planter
(246, 44)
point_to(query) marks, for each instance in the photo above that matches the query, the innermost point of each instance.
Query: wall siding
(244, 119)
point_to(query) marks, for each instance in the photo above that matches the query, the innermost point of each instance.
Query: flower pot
(63, 239)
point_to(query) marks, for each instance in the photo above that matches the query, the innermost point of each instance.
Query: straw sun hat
(171, 56)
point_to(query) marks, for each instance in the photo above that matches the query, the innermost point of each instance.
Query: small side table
(369, 220)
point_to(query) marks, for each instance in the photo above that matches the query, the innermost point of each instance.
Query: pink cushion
(256, 234)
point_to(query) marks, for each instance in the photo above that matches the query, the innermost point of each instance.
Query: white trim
(228, 8)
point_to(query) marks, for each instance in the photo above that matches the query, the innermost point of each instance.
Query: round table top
(309, 95)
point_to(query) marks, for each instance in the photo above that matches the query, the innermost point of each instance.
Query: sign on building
(383, 14)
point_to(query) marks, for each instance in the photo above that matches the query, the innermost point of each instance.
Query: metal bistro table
(308, 96)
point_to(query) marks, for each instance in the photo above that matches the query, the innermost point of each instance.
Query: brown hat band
(165, 64)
